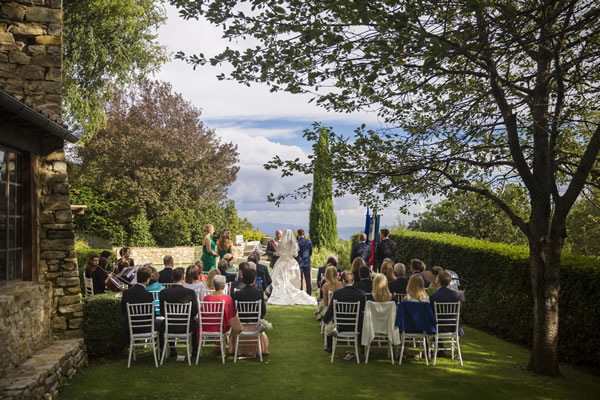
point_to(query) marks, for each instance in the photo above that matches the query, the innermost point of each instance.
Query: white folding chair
(211, 314)
(418, 339)
(140, 318)
(88, 285)
(227, 289)
(447, 316)
(249, 314)
(156, 297)
(379, 327)
(177, 327)
(325, 305)
(345, 315)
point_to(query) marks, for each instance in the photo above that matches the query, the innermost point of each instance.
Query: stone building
(40, 301)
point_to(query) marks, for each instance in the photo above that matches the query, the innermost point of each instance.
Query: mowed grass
(298, 368)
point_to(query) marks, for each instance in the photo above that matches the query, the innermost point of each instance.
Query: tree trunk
(544, 262)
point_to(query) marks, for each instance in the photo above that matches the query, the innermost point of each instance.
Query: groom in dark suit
(304, 253)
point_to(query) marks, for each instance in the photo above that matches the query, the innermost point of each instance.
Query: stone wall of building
(183, 255)
(25, 327)
(58, 259)
(31, 53)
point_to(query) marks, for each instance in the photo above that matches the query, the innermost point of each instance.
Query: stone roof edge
(24, 111)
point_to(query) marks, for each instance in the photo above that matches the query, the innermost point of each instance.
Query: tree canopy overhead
(486, 93)
(107, 43)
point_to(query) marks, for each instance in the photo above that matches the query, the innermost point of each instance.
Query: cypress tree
(323, 222)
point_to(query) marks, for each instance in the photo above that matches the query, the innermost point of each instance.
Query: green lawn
(298, 368)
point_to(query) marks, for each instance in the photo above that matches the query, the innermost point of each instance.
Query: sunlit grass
(298, 368)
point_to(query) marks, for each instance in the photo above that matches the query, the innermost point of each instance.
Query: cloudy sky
(261, 123)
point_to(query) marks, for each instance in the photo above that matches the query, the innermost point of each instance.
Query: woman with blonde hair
(332, 283)
(224, 244)
(211, 276)
(356, 264)
(415, 290)
(387, 269)
(209, 255)
(381, 292)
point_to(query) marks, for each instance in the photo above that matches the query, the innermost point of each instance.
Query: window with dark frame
(11, 215)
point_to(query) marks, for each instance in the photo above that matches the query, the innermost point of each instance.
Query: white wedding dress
(286, 276)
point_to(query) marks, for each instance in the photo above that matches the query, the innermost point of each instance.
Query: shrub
(103, 328)
(341, 250)
(499, 290)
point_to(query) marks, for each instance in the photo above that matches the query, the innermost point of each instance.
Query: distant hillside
(344, 232)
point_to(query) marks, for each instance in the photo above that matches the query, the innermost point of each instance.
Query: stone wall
(58, 259)
(31, 53)
(40, 376)
(25, 327)
(183, 255)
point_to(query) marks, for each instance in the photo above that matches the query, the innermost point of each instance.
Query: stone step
(40, 376)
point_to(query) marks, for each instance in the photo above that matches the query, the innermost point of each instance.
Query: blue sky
(261, 123)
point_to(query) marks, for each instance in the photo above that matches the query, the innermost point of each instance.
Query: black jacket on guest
(135, 295)
(164, 276)
(386, 248)
(251, 293)
(363, 250)
(347, 294)
(399, 285)
(180, 294)
(263, 271)
(366, 285)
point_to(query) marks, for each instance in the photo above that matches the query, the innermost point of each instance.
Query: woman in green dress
(224, 244)
(209, 256)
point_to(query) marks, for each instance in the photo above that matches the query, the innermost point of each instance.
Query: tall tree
(469, 214)
(323, 222)
(156, 158)
(486, 92)
(107, 44)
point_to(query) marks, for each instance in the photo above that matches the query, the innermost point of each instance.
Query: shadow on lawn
(298, 368)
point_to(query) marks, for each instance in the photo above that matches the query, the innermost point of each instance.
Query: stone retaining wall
(40, 376)
(183, 255)
(25, 327)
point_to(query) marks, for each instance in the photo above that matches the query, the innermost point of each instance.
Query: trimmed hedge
(499, 294)
(103, 326)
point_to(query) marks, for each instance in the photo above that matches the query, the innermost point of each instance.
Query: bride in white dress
(286, 275)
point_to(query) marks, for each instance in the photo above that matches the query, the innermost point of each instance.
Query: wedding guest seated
(416, 268)
(415, 290)
(387, 269)
(164, 276)
(381, 293)
(243, 266)
(347, 294)
(192, 280)
(107, 254)
(223, 266)
(210, 278)
(200, 265)
(332, 283)
(399, 284)
(250, 292)
(365, 283)
(444, 294)
(179, 294)
(154, 286)
(356, 264)
(99, 276)
(258, 281)
(331, 260)
(137, 294)
(261, 270)
(218, 295)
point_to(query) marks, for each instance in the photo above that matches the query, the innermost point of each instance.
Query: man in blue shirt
(304, 254)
